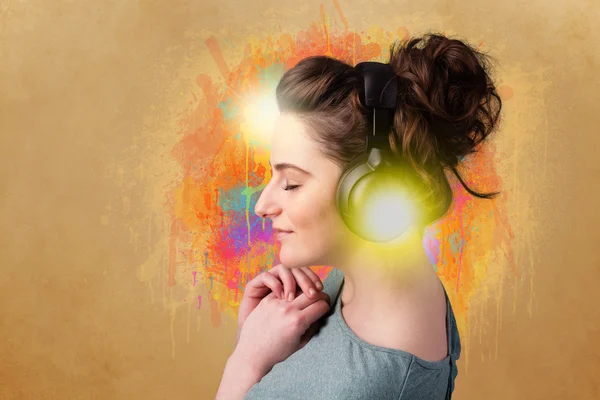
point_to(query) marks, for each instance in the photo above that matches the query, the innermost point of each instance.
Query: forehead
(291, 143)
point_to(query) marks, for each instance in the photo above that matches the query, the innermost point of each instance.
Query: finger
(262, 284)
(272, 295)
(274, 284)
(313, 277)
(303, 301)
(313, 311)
(305, 282)
(311, 280)
(288, 280)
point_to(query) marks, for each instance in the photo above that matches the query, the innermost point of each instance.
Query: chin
(298, 257)
(293, 257)
(290, 260)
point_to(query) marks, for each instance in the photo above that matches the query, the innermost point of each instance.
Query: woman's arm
(239, 376)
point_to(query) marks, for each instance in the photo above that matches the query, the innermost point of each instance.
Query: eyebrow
(282, 166)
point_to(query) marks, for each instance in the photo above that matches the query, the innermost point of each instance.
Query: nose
(267, 206)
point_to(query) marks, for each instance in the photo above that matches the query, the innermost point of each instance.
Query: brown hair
(447, 105)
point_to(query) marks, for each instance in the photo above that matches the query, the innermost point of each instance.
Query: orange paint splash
(213, 232)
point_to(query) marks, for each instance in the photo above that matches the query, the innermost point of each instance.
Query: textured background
(91, 97)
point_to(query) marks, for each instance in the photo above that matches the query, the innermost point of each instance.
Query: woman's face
(300, 197)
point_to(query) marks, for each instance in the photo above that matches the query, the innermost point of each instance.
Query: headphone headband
(379, 94)
(380, 85)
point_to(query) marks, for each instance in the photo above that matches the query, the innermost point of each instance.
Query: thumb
(310, 332)
(303, 341)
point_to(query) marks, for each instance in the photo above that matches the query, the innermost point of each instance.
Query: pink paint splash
(211, 210)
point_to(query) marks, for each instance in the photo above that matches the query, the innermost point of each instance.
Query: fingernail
(290, 296)
(319, 286)
(311, 292)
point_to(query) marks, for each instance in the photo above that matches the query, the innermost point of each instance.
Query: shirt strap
(454, 347)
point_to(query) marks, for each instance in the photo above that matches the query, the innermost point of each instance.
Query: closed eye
(290, 187)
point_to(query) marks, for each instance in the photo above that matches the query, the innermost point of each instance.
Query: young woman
(382, 326)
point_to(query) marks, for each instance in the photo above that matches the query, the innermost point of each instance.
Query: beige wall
(88, 98)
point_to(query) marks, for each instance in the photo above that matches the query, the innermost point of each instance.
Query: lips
(280, 234)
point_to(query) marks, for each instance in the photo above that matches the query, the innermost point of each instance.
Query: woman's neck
(379, 278)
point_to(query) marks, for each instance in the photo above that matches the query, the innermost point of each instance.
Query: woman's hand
(276, 329)
(279, 280)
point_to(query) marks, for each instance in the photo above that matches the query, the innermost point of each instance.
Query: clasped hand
(276, 328)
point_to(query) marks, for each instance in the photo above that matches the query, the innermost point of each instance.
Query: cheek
(316, 227)
(312, 214)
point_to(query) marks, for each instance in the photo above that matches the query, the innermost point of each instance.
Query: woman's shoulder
(420, 333)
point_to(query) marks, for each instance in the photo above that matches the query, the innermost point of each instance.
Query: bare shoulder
(421, 333)
(426, 339)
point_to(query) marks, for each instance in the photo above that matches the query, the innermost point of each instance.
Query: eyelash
(290, 187)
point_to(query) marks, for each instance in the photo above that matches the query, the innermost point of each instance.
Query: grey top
(337, 364)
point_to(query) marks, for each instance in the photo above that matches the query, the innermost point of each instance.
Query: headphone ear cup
(354, 172)
(350, 175)
(358, 186)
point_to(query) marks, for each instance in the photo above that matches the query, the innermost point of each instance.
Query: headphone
(375, 171)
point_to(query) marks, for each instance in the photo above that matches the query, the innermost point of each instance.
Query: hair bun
(448, 84)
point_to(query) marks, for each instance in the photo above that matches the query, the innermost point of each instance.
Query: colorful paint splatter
(216, 241)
